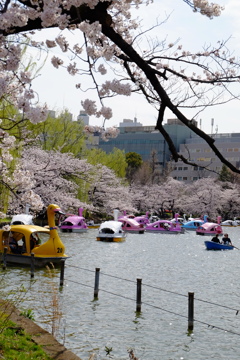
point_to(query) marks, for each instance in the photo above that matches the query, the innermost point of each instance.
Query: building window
(180, 168)
(195, 178)
(236, 149)
(195, 168)
(185, 168)
(184, 178)
(179, 178)
(229, 150)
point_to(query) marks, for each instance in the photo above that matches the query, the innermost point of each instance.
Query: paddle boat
(131, 225)
(192, 225)
(74, 223)
(210, 228)
(143, 219)
(111, 231)
(210, 245)
(178, 219)
(92, 225)
(22, 219)
(164, 227)
(19, 242)
(230, 223)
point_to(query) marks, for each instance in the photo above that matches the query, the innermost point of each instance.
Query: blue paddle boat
(210, 245)
(192, 225)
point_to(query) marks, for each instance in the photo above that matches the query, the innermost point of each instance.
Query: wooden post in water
(5, 258)
(62, 272)
(190, 311)
(96, 285)
(32, 265)
(139, 295)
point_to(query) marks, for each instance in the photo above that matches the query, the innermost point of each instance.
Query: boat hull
(165, 232)
(26, 260)
(73, 230)
(111, 238)
(210, 245)
(96, 226)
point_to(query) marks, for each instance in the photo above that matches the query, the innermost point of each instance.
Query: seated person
(226, 240)
(216, 239)
(34, 240)
(13, 244)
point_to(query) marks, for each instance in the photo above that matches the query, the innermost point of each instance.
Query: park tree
(109, 192)
(114, 160)
(143, 175)
(227, 176)
(134, 162)
(168, 77)
(59, 133)
(62, 178)
(53, 178)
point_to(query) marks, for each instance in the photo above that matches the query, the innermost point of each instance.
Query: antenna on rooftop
(212, 123)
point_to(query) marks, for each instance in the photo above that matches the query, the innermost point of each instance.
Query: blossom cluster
(208, 9)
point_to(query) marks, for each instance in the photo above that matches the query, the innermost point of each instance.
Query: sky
(57, 88)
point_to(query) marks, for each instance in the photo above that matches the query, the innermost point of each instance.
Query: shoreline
(38, 335)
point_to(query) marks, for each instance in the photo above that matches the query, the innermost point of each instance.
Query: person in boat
(13, 244)
(226, 240)
(216, 239)
(34, 240)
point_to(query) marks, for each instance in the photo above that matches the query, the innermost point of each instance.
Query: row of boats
(144, 223)
(22, 242)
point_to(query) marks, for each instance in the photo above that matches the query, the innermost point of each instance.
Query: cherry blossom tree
(167, 76)
(52, 176)
(205, 196)
(109, 192)
(211, 197)
(157, 197)
(71, 183)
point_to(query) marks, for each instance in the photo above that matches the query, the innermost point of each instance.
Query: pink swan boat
(143, 219)
(131, 225)
(165, 227)
(210, 228)
(74, 223)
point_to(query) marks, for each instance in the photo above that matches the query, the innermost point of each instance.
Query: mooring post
(32, 265)
(5, 258)
(190, 311)
(139, 295)
(96, 285)
(62, 272)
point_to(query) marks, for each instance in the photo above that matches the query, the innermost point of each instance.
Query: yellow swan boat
(19, 242)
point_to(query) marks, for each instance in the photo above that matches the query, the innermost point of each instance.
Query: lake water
(170, 266)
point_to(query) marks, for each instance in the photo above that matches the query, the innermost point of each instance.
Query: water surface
(170, 266)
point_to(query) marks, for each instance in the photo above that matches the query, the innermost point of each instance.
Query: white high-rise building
(84, 117)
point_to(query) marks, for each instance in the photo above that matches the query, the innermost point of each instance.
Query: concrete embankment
(40, 336)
